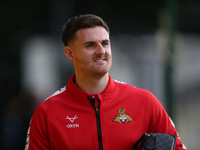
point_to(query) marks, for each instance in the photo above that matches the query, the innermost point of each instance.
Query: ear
(69, 53)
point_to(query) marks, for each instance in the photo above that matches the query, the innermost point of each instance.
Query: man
(94, 111)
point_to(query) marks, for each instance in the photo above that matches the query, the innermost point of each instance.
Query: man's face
(92, 51)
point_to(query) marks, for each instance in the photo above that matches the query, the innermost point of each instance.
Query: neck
(92, 85)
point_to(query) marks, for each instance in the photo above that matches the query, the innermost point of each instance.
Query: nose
(100, 49)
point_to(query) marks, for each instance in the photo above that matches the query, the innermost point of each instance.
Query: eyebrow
(92, 42)
(89, 42)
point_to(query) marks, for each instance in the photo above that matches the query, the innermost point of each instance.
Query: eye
(90, 45)
(105, 43)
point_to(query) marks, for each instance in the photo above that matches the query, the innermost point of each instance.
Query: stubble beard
(94, 70)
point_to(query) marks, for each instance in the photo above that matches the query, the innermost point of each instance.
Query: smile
(99, 60)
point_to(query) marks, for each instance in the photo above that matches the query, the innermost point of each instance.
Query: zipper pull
(97, 111)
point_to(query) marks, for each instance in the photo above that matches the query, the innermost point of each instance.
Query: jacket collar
(77, 94)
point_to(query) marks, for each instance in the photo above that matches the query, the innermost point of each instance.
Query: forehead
(92, 34)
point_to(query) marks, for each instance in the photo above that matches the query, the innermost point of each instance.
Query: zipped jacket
(72, 119)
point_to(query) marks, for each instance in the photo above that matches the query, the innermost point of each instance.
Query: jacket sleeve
(37, 135)
(160, 122)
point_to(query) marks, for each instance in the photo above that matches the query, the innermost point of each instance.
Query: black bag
(156, 141)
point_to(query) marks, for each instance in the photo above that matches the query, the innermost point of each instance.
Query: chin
(100, 73)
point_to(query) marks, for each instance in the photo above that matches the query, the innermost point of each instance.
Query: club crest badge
(122, 117)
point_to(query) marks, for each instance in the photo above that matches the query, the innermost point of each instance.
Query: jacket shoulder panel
(56, 93)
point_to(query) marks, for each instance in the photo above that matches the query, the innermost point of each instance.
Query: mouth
(99, 60)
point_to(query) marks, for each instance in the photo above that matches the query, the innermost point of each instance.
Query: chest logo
(72, 125)
(122, 117)
(72, 119)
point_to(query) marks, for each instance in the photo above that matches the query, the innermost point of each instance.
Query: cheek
(109, 50)
(109, 53)
(82, 58)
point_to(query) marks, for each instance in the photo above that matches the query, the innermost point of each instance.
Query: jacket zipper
(98, 122)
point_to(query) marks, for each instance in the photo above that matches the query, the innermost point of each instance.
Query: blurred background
(155, 45)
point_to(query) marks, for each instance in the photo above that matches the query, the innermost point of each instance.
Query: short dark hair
(79, 22)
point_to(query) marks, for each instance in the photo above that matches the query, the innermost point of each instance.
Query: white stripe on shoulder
(177, 133)
(119, 81)
(57, 92)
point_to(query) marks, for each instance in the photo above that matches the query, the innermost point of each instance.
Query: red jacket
(68, 120)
